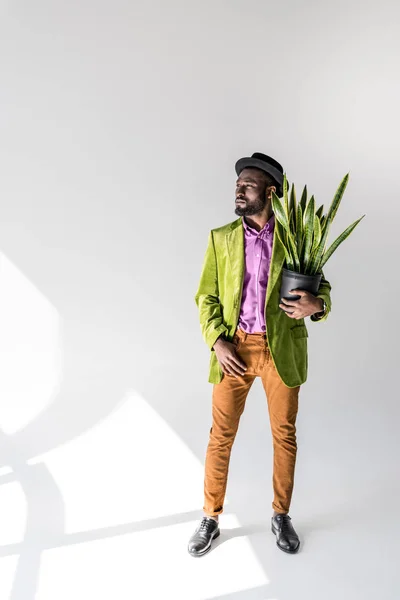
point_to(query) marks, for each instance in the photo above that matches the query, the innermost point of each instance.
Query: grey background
(120, 123)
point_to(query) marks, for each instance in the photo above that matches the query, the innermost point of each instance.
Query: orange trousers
(228, 401)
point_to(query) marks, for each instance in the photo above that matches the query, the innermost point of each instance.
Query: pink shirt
(257, 250)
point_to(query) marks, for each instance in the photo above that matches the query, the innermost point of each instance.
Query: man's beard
(247, 210)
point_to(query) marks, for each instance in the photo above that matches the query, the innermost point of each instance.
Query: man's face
(252, 192)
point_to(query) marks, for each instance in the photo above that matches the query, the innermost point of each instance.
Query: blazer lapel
(277, 261)
(235, 249)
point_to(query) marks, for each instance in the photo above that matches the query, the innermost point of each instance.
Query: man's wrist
(220, 338)
(323, 306)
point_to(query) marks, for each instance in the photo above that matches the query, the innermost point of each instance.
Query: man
(252, 332)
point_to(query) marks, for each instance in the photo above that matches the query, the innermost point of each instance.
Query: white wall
(120, 124)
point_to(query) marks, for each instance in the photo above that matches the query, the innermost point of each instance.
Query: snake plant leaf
(302, 244)
(303, 199)
(299, 228)
(324, 223)
(301, 252)
(280, 233)
(337, 197)
(290, 244)
(310, 207)
(319, 211)
(314, 266)
(279, 211)
(292, 222)
(308, 229)
(308, 270)
(317, 233)
(339, 240)
(293, 251)
(315, 245)
(292, 201)
(285, 196)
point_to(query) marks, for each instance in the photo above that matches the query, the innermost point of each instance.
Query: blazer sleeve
(207, 297)
(324, 292)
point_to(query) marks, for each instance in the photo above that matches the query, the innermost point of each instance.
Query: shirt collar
(269, 225)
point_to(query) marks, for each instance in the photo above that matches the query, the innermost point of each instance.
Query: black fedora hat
(267, 164)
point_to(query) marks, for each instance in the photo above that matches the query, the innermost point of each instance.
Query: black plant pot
(293, 281)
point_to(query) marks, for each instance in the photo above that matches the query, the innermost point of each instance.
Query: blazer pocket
(299, 331)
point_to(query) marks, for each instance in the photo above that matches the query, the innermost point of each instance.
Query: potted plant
(303, 233)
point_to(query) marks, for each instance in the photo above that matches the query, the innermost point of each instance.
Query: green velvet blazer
(219, 295)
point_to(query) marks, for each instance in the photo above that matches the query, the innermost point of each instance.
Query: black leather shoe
(200, 541)
(286, 537)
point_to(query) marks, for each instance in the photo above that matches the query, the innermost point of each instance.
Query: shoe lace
(284, 520)
(206, 524)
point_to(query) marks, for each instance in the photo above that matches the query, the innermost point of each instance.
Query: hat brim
(242, 163)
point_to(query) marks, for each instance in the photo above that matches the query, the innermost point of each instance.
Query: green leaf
(292, 202)
(299, 230)
(280, 214)
(308, 230)
(317, 232)
(291, 220)
(339, 240)
(337, 198)
(285, 196)
(319, 211)
(315, 266)
(293, 251)
(303, 199)
(280, 233)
